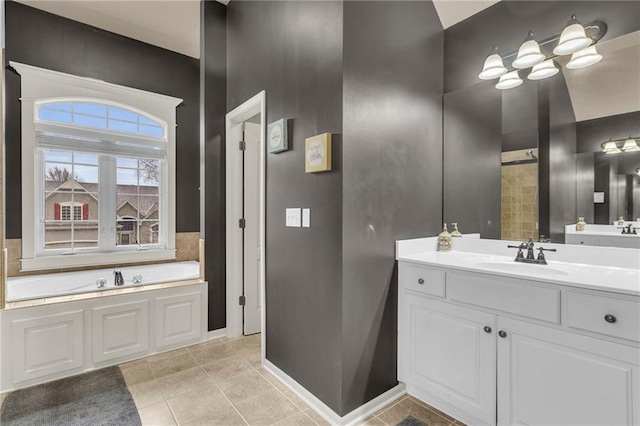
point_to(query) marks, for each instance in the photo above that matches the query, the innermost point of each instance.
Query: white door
(551, 377)
(451, 354)
(251, 234)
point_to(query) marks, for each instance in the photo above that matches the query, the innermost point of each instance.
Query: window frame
(40, 86)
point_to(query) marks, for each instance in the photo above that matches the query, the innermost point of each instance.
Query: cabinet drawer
(588, 312)
(422, 279)
(513, 296)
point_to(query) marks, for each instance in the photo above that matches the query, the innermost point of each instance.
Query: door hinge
(242, 223)
(242, 300)
(242, 145)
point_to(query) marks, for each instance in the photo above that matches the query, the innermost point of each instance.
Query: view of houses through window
(72, 199)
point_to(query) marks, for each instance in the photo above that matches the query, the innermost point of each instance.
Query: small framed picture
(277, 140)
(317, 153)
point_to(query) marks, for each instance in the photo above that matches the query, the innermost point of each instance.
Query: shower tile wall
(187, 248)
(519, 197)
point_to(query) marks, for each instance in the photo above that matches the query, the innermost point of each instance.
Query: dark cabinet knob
(610, 318)
(420, 281)
(502, 333)
(487, 329)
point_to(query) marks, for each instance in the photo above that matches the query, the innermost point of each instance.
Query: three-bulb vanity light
(628, 145)
(572, 41)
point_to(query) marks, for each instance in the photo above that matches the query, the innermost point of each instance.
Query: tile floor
(221, 382)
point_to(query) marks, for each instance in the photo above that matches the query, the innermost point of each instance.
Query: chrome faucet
(119, 280)
(629, 230)
(529, 246)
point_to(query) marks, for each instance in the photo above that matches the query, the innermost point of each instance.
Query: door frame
(233, 162)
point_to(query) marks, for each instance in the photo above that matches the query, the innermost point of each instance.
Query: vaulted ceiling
(175, 24)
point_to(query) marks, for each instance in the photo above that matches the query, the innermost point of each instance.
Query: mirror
(526, 162)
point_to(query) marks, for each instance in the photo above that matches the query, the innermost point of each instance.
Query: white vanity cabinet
(489, 349)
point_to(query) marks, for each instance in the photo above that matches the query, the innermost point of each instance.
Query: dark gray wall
(392, 186)
(44, 40)
(585, 184)
(562, 159)
(213, 68)
(293, 51)
(472, 159)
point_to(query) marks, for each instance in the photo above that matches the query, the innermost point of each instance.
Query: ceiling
(175, 24)
(171, 24)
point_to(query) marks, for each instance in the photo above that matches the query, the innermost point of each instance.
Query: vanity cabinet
(497, 350)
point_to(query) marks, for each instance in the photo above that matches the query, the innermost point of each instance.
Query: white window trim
(38, 85)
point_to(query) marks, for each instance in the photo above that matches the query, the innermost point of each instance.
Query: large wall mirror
(527, 162)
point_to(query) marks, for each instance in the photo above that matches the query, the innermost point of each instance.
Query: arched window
(102, 155)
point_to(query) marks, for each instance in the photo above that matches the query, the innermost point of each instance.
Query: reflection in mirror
(527, 162)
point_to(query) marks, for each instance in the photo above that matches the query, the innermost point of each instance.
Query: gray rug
(96, 398)
(411, 421)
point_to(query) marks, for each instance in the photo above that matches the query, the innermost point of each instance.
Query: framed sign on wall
(277, 139)
(317, 153)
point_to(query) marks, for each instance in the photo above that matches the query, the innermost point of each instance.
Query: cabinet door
(553, 377)
(178, 319)
(120, 330)
(448, 353)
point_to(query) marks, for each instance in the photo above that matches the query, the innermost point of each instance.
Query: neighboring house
(136, 211)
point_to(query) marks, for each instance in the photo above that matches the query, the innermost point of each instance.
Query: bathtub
(64, 283)
(59, 325)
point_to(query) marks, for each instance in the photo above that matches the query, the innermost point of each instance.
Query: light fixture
(584, 58)
(638, 171)
(493, 66)
(630, 145)
(572, 38)
(529, 53)
(543, 70)
(509, 81)
(610, 147)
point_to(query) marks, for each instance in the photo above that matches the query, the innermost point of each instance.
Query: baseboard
(216, 334)
(324, 410)
(444, 406)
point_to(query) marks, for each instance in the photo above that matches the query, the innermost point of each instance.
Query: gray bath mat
(411, 421)
(96, 398)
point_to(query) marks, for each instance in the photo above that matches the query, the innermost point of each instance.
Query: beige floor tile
(185, 381)
(135, 363)
(174, 364)
(373, 421)
(316, 417)
(270, 377)
(226, 368)
(146, 393)
(435, 410)
(292, 397)
(299, 419)
(245, 386)
(254, 359)
(212, 353)
(137, 374)
(198, 404)
(156, 415)
(245, 347)
(225, 415)
(205, 345)
(407, 407)
(3, 396)
(267, 408)
(167, 355)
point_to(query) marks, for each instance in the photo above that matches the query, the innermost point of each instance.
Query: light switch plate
(306, 218)
(293, 218)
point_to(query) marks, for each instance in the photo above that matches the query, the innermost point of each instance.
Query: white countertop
(598, 268)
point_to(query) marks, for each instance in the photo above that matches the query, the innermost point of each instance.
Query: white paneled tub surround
(49, 341)
(69, 283)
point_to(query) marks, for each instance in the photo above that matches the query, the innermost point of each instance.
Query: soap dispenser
(621, 221)
(444, 239)
(456, 232)
(581, 223)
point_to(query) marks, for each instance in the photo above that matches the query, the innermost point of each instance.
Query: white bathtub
(58, 284)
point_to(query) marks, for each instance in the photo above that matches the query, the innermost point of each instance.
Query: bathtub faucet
(119, 280)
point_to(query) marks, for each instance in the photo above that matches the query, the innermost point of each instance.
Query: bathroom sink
(520, 267)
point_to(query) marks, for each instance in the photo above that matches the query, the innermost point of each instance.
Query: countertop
(489, 260)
